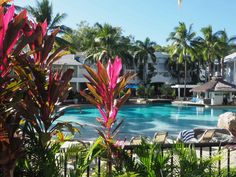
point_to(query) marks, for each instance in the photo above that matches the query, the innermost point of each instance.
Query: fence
(200, 147)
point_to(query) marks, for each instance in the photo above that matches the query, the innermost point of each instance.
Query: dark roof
(217, 84)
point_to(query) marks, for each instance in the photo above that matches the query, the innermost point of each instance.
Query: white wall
(216, 98)
(163, 75)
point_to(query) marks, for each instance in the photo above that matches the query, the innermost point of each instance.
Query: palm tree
(210, 47)
(182, 39)
(227, 46)
(144, 50)
(103, 42)
(44, 11)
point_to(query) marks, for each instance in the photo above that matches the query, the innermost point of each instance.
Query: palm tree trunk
(206, 74)
(222, 68)
(198, 71)
(144, 73)
(177, 69)
(185, 76)
(209, 71)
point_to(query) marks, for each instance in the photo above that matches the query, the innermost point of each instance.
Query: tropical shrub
(44, 90)
(150, 91)
(190, 165)
(105, 87)
(80, 157)
(224, 172)
(141, 91)
(11, 26)
(151, 161)
(29, 92)
(167, 91)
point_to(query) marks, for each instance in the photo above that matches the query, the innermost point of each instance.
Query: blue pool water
(148, 119)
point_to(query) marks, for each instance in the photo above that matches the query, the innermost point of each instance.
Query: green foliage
(224, 172)
(167, 91)
(150, 91)
(191, 165)
(143, 51)
(37, 159)
(101, 41)
(141, 91)
(43, 11)
(81, 156)
(151, 160)
(151, 73)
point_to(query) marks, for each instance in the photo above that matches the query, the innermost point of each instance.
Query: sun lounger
(220, 135)
(160, 137)
(137, 140)
(207, 136)
(190, 136)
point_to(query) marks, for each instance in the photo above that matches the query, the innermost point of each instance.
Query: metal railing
(200, 147)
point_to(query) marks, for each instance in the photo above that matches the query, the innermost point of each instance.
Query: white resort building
(69, 61)
(78, 81)
(163, 75)
(230, 68)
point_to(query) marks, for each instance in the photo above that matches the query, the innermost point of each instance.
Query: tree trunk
(144, 73)
(222, 68)
(219, 66)
(185, 76)
(209, 71)
(178, 78)
(198, 72)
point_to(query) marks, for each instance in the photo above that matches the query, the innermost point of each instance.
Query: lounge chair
(220, 134)
(160, 137)
(207, 136)
(137, 140)
(192, 136)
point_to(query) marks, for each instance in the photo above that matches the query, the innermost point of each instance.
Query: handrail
(197, 145)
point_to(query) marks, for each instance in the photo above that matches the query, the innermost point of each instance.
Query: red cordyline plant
(105, 87)
(11, 28)
(34, 91)
(45, 89)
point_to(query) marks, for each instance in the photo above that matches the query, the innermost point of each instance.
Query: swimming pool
(147, 119)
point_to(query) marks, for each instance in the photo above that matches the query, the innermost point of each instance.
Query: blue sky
(148, 18)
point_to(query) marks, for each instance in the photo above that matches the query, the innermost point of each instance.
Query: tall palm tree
(182, 39)
(105, 42)
(144, 50)
(44, 11)
(210, 47)
(227, 45)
